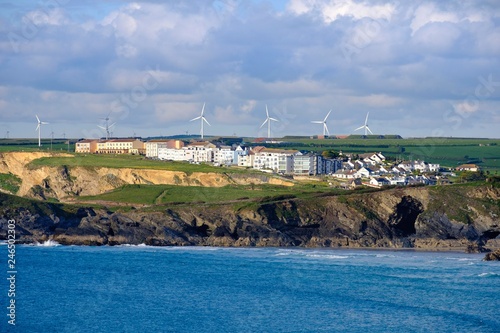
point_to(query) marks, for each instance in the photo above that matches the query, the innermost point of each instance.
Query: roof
(467, 166)
(123, 140)
(87, 141)
(160, 140)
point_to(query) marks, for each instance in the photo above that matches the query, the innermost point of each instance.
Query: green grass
(10, 182)
(128, 161)
(168, 194)
(30, 145)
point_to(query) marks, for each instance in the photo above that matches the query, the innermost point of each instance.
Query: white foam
(48, 243)
(326, 256)
(489, 274)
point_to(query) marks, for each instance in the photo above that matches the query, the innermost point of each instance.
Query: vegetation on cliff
(396, 218)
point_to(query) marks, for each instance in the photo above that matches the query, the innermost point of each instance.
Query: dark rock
(404, 218)
(492, 256)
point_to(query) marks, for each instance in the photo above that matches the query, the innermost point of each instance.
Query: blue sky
(421, 68)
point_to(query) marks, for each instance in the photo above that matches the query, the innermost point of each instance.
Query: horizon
(430, 69)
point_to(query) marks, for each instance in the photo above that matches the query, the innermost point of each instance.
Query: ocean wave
(47, 243)
(132, 245)
(326, 256)
(489, 275)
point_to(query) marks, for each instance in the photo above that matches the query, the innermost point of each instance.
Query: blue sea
(203, 289)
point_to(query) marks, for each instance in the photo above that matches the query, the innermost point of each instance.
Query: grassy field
(58, 145)
(168, 194)
(129, 161)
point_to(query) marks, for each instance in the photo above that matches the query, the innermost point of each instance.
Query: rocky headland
(437, 218)
(433, 218)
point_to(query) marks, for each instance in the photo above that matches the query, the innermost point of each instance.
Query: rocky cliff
(63, 183)
(448, 217)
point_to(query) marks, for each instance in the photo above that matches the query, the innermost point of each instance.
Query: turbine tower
(365, 126)
(203, 119)
(39, 129)
(268, 121)
(107, 127)
(325, 128)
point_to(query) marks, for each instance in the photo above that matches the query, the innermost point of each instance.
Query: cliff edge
(435, 218)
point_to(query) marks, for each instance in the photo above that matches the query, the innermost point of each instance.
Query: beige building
(123, 146)
(88, 146)
(114, 146)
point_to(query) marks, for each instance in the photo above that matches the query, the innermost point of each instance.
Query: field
(58, 145)
(171, 194)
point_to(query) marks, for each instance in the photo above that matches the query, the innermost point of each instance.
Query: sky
(420, 68)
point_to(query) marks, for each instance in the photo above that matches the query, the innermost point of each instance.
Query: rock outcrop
(398, 218)
(492, 256)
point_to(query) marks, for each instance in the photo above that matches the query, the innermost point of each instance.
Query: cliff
(63, 183)
(447, 217)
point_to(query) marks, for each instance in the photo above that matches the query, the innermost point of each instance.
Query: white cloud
(427, 13)
(335, 9)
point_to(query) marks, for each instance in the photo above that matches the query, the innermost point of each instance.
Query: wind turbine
(268, 121)
(203, 119)
(39, 129)
(365, 126)
(107, 127)
(325, 128)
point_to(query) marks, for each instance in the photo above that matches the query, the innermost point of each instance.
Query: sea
(207, 289)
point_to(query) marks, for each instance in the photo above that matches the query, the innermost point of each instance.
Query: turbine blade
(265, 121)
(38, 119)
(205, 120)
(366, 120)
(195, 118)
(104, 128)
(203, 109)
(357, 129)
(326, 128)
(327, 115)
(369, 130)
(316, 122)
(267, 112)
(37, 127)
(44, 123)
(113, 124)
(273, 119)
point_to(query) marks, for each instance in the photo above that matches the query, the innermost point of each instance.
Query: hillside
(445, 218)
(64, 176)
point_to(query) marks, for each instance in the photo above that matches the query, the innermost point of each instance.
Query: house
(355, 183)
(88, 146)
(468, 167)
(378, 182)
(364, 173)
(345, 174)
(348, 165)
(400, 181)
